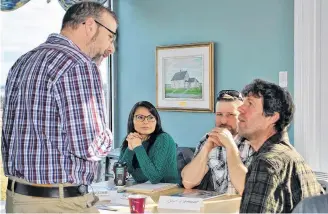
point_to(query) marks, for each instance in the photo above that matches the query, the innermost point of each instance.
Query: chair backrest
(184, 156)
(316, 204)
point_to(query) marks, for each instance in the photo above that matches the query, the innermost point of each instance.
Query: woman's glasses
(141, 118)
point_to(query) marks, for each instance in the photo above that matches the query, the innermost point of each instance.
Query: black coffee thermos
(120, 172)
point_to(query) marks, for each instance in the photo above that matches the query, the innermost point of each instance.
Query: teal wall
(253, 39)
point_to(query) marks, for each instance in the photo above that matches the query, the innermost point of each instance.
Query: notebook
(149, 187)
(194, 193)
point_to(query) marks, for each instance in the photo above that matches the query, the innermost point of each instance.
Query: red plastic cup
(137, 203)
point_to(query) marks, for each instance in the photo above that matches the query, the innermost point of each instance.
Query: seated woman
(149, 152)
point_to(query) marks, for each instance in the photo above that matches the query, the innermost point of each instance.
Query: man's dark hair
(275, 99)
(78, 12)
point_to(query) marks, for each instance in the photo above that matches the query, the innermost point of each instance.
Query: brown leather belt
(47, 192)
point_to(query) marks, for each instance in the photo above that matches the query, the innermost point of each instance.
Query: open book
(194, 193)
(150, 188)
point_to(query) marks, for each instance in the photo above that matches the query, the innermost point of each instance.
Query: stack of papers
(112, 195)
(103, 190)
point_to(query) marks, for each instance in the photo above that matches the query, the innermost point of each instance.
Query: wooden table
(220, 204)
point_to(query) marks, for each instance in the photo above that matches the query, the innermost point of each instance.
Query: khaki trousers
(17, 203)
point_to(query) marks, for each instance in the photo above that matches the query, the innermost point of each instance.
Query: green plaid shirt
(278, 179)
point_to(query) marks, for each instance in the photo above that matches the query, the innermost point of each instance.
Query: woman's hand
(130, 146)
(134, 140)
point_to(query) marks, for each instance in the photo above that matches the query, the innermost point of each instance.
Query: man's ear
(274, 118)
(89, 25)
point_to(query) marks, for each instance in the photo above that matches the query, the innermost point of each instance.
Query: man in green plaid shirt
(278, 177)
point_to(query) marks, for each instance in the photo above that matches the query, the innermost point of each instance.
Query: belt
(47, 192)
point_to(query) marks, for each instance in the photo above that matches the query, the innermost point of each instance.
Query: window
(27, 27)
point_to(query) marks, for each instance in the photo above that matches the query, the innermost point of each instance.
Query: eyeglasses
(141, 118)
(233, 93)
(112, 32)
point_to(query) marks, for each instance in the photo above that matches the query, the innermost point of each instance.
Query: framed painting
(185, 77)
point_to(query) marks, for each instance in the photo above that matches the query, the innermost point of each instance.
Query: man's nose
(111, 49)
(240, 109)
(223, 119)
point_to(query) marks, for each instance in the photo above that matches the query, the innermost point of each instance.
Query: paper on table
(180, 203)
(103, 190)
(111, 207)
(189, 199)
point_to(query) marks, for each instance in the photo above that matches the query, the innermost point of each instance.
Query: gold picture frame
(185, 77)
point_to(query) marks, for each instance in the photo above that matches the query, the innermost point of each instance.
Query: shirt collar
(56, 38)
(279, 137)
(238, 139)
(61, 39)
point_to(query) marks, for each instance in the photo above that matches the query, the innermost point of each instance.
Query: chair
(316, 204)
(184, 156)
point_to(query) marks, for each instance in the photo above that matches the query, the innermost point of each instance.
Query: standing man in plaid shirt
(54, 119)
(213, 166)
(278, 177)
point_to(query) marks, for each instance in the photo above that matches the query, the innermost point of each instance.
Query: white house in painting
(181, 79)
(193, 83)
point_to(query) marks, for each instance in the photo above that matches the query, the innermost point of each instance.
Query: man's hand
(209, 145)
(134, 140)
(221, 137)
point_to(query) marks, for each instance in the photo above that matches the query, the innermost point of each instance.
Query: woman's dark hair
(158, 129)
(275, 99)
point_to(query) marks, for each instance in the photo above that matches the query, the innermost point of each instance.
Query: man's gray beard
(92, 42)
(97, 58)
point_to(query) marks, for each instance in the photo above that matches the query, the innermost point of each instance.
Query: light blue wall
(253, 39)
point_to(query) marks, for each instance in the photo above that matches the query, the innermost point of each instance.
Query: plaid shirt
(54, 128)
(277, 179)
(217, 162)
